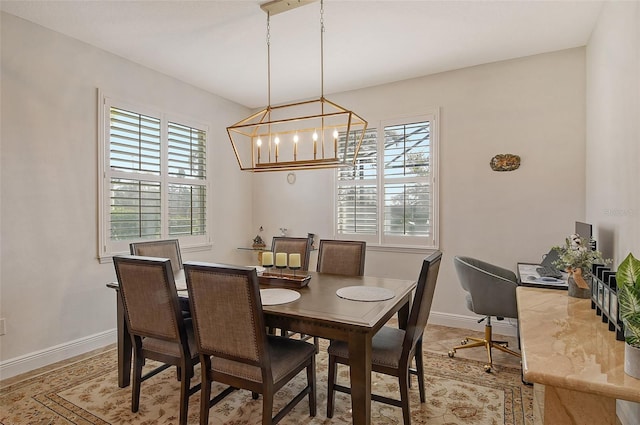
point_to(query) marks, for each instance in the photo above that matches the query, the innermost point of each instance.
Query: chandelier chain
(321, 48)
(269, 59)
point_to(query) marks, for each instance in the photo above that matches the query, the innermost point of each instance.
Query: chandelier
(308, 134)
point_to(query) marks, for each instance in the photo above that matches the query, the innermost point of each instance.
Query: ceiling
(220, 46)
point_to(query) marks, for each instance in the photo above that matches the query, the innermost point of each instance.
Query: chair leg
(404, 396)
(205, 390)
(138, 362)
(267, 407)
(331, 382)
(420, 371)
(311, 381)
(185, 383)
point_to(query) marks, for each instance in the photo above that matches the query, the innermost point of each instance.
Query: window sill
(406, 249)
(108, 258)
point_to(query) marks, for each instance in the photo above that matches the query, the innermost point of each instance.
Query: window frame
(381, 241)
(107, 247)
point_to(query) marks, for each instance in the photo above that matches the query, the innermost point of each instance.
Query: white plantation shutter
(357, 192)
(154, 179)
(407, 156)
(389, 197)
(187, 161)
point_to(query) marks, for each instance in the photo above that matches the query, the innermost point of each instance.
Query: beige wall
(53, 288)
(533, 107)
(53, 293)
(613, 139)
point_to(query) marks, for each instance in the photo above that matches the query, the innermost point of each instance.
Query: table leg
(568, 407)
(360, 371)
(403, 314)
(124, 345)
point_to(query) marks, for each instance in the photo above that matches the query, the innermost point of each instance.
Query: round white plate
(365, 293)
(278, 296)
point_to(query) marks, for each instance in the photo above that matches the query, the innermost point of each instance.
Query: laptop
(547, 267)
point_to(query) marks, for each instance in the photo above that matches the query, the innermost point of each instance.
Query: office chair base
(486, 342)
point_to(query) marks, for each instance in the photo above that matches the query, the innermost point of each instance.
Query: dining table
(321, 312)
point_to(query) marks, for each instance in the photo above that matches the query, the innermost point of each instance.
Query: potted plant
(628, 281)
(576, 258)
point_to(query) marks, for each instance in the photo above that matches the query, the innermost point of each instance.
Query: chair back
(289, 245)
(492, 289)
(227, 312)
(341, 257)
(423, 299)
(169, 248)
(149, 298)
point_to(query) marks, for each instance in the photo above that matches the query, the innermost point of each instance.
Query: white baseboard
(46, 357)
(628, 412)
(38, 359)
(506, 327)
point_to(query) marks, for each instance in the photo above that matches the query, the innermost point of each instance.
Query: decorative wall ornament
(505, 162)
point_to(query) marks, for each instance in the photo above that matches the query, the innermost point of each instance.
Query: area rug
(458, 392)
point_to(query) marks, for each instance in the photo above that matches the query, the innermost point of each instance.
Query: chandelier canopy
(308, 134)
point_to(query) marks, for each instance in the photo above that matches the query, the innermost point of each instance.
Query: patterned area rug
(458, 392)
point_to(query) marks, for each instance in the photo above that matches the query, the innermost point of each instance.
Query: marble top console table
(568, 349)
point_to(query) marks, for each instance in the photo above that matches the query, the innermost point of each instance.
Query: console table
(568, 349)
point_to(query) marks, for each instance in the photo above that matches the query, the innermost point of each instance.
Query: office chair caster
(464, 341)
(487, 368)
(452, 353)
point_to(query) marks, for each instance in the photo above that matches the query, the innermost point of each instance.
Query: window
(390, 197)
(153, 178)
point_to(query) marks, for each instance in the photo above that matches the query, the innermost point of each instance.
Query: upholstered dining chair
(169, 248)
(158, 330)
(234, 346)
(341, 257)
(491, 292)
(394, 349)
(291, 245)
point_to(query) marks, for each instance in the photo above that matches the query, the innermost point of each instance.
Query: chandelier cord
(321, 49)
(269, 60)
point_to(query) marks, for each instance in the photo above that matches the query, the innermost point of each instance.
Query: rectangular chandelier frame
(302, 135)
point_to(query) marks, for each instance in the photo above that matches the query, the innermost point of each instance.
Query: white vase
(632, 360)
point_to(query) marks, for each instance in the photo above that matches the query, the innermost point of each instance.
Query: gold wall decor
(505, 162)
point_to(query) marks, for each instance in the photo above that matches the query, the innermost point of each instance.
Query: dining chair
(394, 349)
(233, 343)
(168, 248)
(341, 257)
(291, 245)
(154, 320)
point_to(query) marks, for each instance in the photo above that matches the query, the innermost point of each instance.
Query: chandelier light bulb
(315, 136)
(295, 138)
(335, 134)
(259, 142)
(276, 140)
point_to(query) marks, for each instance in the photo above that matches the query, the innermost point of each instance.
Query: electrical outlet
(2, 328)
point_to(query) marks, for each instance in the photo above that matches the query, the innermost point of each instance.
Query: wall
(53, 292)
(613, 139)
(533, 107)
(53, 288)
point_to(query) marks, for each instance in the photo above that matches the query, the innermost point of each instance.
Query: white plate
(278, 296)
(365, 293)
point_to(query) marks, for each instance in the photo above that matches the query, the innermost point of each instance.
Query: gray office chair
(491, 293)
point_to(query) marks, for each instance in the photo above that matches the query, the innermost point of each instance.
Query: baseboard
(32, 361)
(506, 327)
(628, 412)
(29, 362)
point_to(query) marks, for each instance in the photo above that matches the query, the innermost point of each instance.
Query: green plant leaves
(628, 281)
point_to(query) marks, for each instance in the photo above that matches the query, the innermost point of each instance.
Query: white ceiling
(220, 46)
